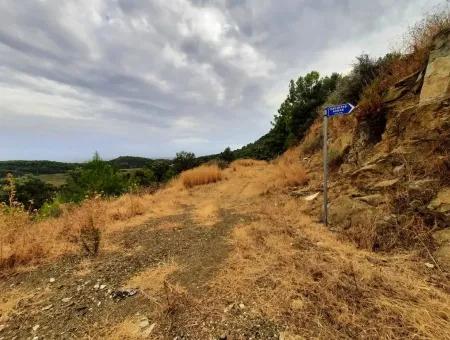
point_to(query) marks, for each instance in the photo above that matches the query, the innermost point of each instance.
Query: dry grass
(152, 280)
(201, 175)
(289, 171)
(296, 273)
(24, 240)
(246, 162)
(417, 47)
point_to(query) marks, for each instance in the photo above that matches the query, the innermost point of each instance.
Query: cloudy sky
(153, 77)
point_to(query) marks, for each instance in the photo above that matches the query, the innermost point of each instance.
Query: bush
(29, 191)
(95, 177)
(227, 155)
(143, 178)
(204, 174)
(50, 209)
(184, 161)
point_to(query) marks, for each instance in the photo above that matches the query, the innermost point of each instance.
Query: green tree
(143, 177)
(159, 168)
(184, 161)
(30, 191)
(95, 177)
(227, 155)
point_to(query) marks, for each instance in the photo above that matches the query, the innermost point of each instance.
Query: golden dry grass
(289, 171)
(201, 175)
(152, 280)
(298, 274)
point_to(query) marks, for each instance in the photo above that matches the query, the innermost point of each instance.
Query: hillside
(242, 253)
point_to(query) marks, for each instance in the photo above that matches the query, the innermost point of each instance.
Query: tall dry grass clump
(204, 174)
(289, 171)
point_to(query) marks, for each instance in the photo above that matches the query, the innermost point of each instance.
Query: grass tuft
(202, 175)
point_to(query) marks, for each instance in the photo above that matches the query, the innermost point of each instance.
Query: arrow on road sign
(342, 109)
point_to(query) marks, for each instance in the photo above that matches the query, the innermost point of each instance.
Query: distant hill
(19, 168)
(130, 162)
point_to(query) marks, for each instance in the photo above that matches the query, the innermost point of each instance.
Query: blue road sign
(342, 109)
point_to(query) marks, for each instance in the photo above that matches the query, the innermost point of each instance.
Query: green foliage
(129, 162)
(143, 177)
(227, 155)
(159, 168)
(350, 87)
(294, 117)
(184, 161)
(95, 177)
(20, 168)
(50, 209)
(30, 191)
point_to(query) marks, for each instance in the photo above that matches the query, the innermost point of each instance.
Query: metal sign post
(331, 111)
(325, 168)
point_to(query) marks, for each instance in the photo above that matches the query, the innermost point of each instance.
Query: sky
(154, 77)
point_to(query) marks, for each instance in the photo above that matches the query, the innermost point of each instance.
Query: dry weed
(298, 274)
(204, 174)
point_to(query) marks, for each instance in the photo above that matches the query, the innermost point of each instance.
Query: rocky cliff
(393, 188)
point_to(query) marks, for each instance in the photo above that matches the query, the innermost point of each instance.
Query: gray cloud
(154, 77)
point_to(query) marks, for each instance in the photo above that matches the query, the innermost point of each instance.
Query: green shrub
(50, 209)
(184, 161)
(95, 177)
(29, 191)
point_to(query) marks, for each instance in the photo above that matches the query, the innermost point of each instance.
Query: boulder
(345, 212)
(385, 184)
(436, 85)
(373, 200)
(441, 203)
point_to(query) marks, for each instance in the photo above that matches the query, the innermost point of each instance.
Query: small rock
(99, 303)
(52, 279)
(228, 308)
(67, 299)
(147, 332)
(223, 336)
(311, 197)
(143, 323)
(2, 327)
(429, 265)
(96, 286)
(35, 328)
(47, 307)
(241, 306)
(102, 286)
(398, 169)
(385, 184)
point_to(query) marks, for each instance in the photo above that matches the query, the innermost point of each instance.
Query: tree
(227, 155)
(95, 177)
(159, 168)
(29, 190)
(295, 115)
(184, 161)
(143, 177)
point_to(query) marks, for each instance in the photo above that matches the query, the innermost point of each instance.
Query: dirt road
(232, 260)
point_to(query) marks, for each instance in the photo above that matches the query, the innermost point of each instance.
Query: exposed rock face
(396, 182)
(436, 85)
